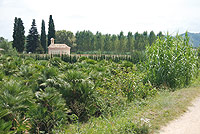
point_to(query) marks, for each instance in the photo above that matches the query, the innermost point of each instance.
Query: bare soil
(188, 123)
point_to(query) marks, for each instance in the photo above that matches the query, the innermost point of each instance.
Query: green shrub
(48, 112)
(138, 56)
(82, 58)
(5, 127)
(79, 94)
(132, 85)
(90, 61)
(15, 99)
(171, 62)
(127, 64)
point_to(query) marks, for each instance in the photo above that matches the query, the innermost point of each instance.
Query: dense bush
(41, 96)
(138, 56)
(171, 62)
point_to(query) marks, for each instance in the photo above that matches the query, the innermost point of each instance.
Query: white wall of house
(59, 51)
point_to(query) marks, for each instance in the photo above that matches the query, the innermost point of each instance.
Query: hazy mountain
(194, 38)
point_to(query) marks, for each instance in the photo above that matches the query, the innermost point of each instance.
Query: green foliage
(138, 56)
(130, 42)
(99, 43)
(51, 30)
(79, 94)
(66, 37)
(131, 85)
(140, 41)
(160, 34)
(5, 127)
(132, 128)
(33, 39)
(48, 111)
(18, 35)
(7, 47)
(44, 95)
(15, 99)
(43, 37)
(152, 38)
(171, 62)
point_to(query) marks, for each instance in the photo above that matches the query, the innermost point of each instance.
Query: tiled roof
(58, 46)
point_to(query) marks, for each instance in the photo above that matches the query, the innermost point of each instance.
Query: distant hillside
(194, 38)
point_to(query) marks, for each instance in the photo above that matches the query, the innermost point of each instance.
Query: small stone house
(58, 48)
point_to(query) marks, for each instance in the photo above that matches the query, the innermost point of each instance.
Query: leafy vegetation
(43, 39)
(33, 44)
(44, 95)
(51, 30)
(52, 94)
(18, 35)
(7, 47)
(171, 62)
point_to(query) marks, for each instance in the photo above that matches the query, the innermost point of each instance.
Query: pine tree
(43, 37)
(18, 35)
(32, 38)
(51, 30)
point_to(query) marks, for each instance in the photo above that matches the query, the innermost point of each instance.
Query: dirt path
(188, 123)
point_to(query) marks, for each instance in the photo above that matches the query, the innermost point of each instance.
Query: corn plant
(171, 62)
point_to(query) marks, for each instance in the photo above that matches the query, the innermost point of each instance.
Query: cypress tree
(32, 38)
(15, 41)
(18, 35)
(51, 30)
(43, 37)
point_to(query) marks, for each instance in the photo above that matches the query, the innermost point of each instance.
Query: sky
(106, 16)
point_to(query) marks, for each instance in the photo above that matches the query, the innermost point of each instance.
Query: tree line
(87, 41)
(81, 42)
(34, 42)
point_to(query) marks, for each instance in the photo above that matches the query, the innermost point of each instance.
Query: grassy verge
(144, 116)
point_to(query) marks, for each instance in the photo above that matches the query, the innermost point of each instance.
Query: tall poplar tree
(122, 42)
(43, 37)
(115, 43)
(32, 38)
(130, 42)
(51, 30)
(160, 34)
(18, 35)
(152, 38)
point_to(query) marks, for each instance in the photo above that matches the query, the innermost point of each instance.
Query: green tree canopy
(7, 47)
(18, 35)
(51, 30)
(43, 37)
(160, 34)
(152, 38)
(122, 42)
(140, 41)
(130, 41)
(33, 38)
